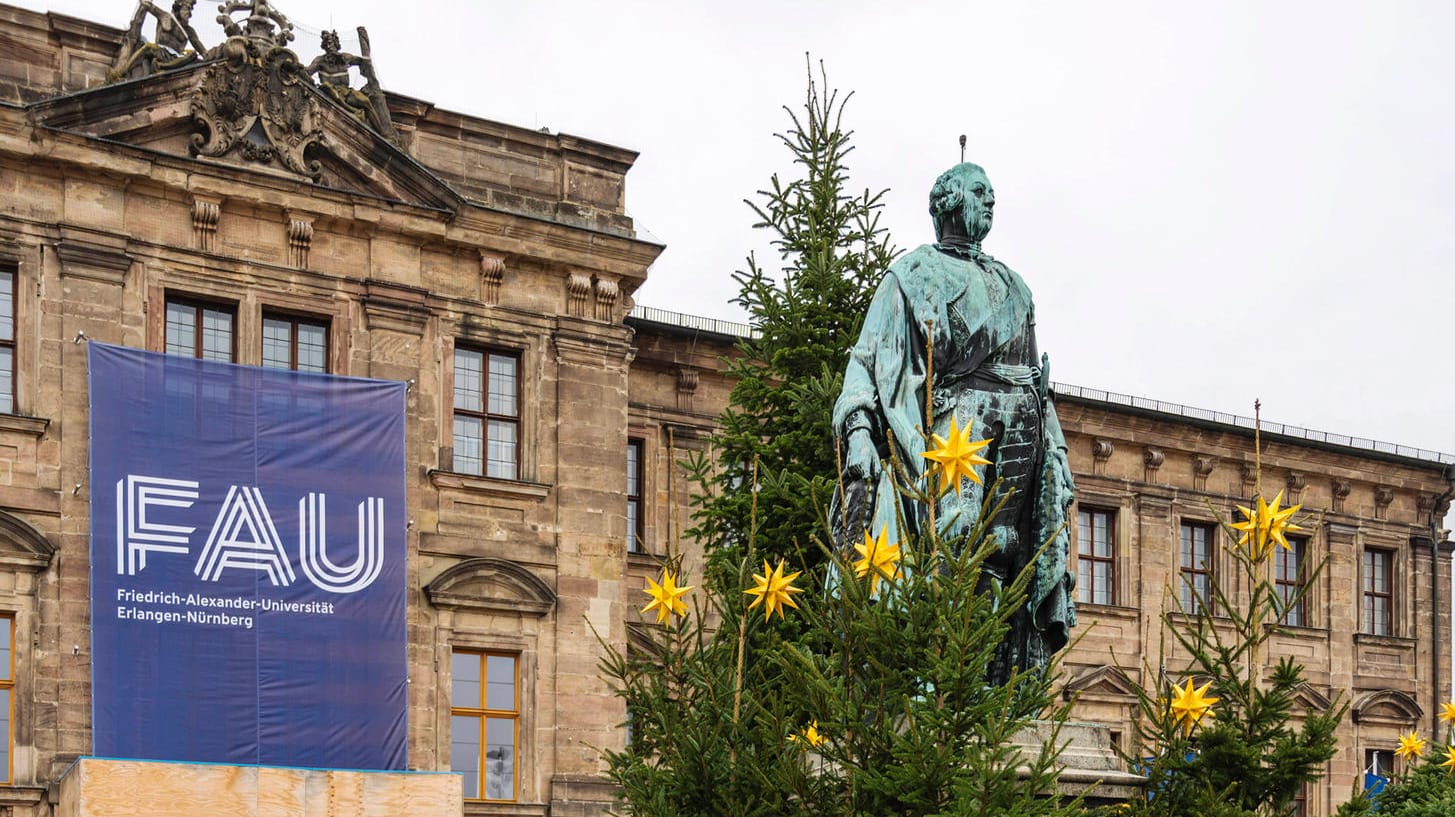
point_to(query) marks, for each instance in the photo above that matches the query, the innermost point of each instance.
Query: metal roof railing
(744, 330)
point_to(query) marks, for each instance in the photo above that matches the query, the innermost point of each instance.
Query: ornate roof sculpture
(254, 99)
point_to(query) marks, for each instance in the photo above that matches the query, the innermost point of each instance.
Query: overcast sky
(1212, 202)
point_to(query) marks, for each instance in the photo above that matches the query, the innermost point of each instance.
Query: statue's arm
(858, 417)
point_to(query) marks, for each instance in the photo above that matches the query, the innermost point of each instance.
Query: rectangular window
(1378, 592)
(7, 339)
(1095, 556)
(635, 528)
(484, 713)
(1378, 762)
(1300, 802)
(487, 413)
(300, 344)
(1288, 578)
(200, 330)
(1196, 566)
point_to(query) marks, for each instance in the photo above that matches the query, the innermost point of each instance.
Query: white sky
(1211, 202)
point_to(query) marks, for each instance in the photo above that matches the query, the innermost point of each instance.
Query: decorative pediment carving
(1101, 683)
(23, 546)
(493, 586)
(1387, 706)
(1305, 696)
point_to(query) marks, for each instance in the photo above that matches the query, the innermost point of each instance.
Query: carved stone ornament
(1152, 459)
(492, 273)
(578, 289)
(255, 102)
(606, 295)
(1383, 497)
(1340, 489)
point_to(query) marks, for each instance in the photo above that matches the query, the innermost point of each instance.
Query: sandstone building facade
(492, 268)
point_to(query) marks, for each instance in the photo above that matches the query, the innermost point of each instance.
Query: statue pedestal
(1090, 767)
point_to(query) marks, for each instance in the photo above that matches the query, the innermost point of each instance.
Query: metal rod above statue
(974, 317)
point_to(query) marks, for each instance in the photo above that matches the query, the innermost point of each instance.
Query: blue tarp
(247, 564)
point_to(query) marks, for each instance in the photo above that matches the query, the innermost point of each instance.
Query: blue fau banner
(247, 564)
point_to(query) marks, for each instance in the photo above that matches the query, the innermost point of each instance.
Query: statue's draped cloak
(979, 309)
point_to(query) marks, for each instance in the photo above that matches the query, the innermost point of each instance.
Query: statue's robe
(985, 373)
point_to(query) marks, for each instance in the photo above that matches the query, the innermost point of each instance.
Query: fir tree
(1224, 741)
(805, 316)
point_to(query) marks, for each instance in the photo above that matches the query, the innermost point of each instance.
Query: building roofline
(1205, 418)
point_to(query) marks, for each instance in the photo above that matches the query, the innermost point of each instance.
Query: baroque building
(207, 195)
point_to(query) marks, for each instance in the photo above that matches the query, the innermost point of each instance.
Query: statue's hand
(862, 460)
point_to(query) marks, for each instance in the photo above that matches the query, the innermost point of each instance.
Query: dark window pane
(181, 330)
(465, 680)
(502, 385)
(467, 380)
(7, 305)
(312, 347)
(499, 759)
(465, 752)
(501, 673)
(501, 459)
(7, 380)
(216, 335)
(469, 442)
(277, 343)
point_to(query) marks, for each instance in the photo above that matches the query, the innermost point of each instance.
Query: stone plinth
(1090, 766)
(94, 787)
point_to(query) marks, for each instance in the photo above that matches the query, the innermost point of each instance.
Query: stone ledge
(34, 426)
(489, 486)
(486, 808)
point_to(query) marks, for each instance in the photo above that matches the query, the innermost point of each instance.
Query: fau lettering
(243, 536)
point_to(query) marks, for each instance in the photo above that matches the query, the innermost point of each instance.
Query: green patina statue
(987, 375)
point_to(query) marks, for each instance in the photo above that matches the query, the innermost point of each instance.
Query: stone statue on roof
(174, 42)
(331, 68)
(988, 375)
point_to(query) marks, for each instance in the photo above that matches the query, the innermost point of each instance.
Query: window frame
(11, 268)
(485, 416)
(1298, 548)
(294, 319)
(8, 683)
(483, 712)
(1089, 554)
(636, 527)
(1370, 595)
(1187, 574)
(198, 305)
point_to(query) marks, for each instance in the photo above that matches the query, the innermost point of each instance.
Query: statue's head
(182, 9)
(330, 42)
(962, 202)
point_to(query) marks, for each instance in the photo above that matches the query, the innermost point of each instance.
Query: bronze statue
(260, 22)
(175, 41)
(988, 375)
(332, 71)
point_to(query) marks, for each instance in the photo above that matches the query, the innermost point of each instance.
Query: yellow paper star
(878, 556)
(666, 597)
(773, 590)
(1410, 746)
(1279, 524)
(955, 458)
(1189, 705)
(810, 736)
(1449, 763)
(1266, 525)
(1447, 712)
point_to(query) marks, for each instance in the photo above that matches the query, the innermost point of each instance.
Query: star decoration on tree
(878, 556)
(1447, 712)
(1189, 706)
(1449, 763)
(666, 597)
(1266, 525)
(809, 736)
(773, 590)
(1410, 746)
(955, 458)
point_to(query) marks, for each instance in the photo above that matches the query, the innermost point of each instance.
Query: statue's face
(184, 10)
(979, 205)
(330, 42)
